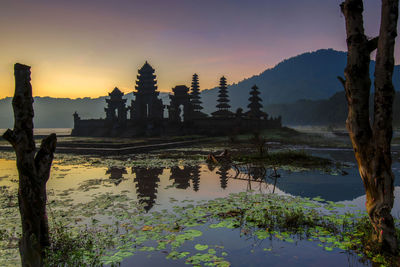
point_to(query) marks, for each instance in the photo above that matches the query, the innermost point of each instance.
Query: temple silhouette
(146, 112)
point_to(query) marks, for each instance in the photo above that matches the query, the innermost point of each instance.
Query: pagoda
(116, 109)
(146, 105)
(195, 98)
(223, 100)
(255, 105)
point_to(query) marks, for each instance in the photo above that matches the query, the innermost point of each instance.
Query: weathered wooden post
(33, 169)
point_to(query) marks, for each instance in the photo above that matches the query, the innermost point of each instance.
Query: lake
(159, 189)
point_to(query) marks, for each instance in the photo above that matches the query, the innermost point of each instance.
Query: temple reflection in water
(147, 180)
(219, 180)
(116, 174)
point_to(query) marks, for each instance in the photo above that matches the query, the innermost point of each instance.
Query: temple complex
(146, 112)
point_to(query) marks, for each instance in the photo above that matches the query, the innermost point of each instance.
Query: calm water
(46, 131)
(155, 187)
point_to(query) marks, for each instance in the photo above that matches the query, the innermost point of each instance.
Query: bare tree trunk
(372, 143)
(33, 171)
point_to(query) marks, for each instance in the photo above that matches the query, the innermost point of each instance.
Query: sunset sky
(80, 48)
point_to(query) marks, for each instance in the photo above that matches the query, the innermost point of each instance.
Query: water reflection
(223, 175)
(249, 177)
(181, 177)
(116, 174)
(147, 180)
(196, 177)
(256, 173)
(197, 182)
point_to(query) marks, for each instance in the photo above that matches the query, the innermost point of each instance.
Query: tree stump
(33, 169)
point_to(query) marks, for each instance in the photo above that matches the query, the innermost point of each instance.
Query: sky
(85, 48)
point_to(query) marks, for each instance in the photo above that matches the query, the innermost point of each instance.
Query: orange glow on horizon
(80, 83)
(86, 48)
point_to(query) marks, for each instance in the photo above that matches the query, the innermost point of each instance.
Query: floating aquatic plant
(112, 227)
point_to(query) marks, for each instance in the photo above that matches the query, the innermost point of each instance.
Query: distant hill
(310, 76)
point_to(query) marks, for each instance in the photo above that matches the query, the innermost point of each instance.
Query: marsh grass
(75, 248)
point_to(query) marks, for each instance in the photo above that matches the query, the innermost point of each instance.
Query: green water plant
(110, 228)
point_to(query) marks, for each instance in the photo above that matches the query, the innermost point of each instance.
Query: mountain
(310, 76)
(57, 112)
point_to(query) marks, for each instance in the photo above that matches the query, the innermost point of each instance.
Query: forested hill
(310, 76)
(332, 111)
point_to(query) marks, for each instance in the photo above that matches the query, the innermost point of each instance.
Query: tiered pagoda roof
(255, 106)
(223, 100)
(116, 96)
(146, 83)
(195, 94)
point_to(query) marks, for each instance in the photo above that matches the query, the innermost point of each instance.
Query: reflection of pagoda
(223, 175)
(181, 177)
(146, 185)
(116, 174)
(196, 177)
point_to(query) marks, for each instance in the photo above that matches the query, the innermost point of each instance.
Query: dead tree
(33, 169)
(371, 141)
